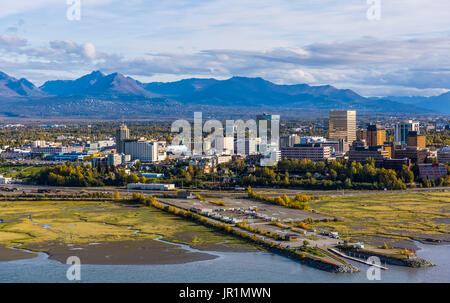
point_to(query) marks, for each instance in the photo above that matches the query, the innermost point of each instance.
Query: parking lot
(260, 215)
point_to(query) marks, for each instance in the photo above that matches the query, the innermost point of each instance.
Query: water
(229, 267)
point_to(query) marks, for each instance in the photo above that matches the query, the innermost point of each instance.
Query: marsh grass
(397, 216)
(84, 222)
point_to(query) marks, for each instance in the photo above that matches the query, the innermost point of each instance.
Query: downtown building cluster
(346, 141)
(391, 146)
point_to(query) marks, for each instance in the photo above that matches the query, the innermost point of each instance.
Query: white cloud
(317, 42)
(89, 50)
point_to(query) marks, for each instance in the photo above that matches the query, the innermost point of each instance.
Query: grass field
(396, 216)
(84, 222)
(15, 171)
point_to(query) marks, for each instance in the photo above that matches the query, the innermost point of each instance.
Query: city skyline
(199, 142)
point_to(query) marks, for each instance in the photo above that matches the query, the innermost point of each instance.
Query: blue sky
(310, 41)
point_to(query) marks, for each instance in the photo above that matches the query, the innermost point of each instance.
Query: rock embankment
(388, 259)
(319, 263)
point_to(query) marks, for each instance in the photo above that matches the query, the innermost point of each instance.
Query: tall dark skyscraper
(123, 134)
(270, 119)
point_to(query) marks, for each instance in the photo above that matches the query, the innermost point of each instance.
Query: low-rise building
(416, 155)
(152, 186)
(66, 157)
(101, 161)
(443, 155)
(4, 180)
(289, 140)
(432, 171)
(58, 149)
(201, 210)
(185, 195)
(118, 159)
(312, 151)
(396, 164)
(152, 175)
(361, 154)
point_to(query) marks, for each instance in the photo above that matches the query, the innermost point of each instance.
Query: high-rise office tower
(343, 125)
(376, 135)
(123, 134)
(361, 134)
(272, 121)
(416, 140)
(402, 129)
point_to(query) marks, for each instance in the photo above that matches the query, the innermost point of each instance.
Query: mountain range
(440, 103)
(115, 95)
(11, 87)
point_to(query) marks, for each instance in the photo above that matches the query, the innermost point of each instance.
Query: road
(273, 192)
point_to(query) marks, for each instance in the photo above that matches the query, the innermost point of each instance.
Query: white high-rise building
(145, 151)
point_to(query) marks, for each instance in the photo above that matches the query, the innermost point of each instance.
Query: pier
(356, 259)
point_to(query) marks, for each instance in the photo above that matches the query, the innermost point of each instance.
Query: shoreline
(8, 254)
(129, 252)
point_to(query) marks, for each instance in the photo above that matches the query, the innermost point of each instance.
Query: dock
(356, 259)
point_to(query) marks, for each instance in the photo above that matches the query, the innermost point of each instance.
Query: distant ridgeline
(97, 95)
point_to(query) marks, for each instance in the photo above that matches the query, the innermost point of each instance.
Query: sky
(402, 48)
